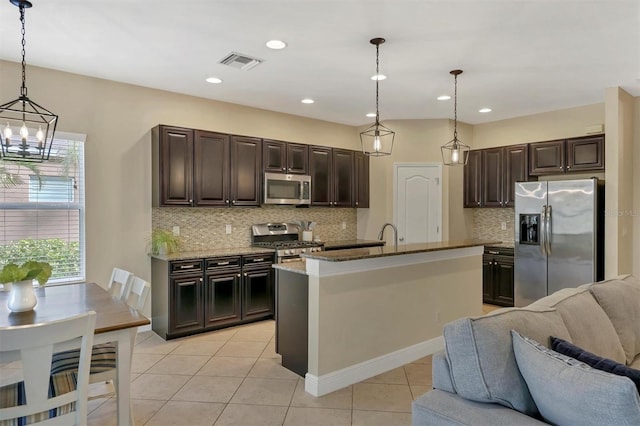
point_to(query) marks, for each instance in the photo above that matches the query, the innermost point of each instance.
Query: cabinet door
(321, 171)
(274, 156)
(297, 159)
(222, 299)
(176, 166)
(516, 163)
(186, 304)
(473, 180)
(487, 280)
(546, 158)
(362, 180)
(246, 172)
(503, 281)
(257, 293)
(343, 178)
(211, 169)
(492, 177)
(585, 154)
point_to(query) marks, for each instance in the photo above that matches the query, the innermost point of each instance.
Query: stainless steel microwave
(287, 189)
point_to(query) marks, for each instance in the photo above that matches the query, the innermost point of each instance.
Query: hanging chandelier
(377, 140)
(27, 128)
(454, 152)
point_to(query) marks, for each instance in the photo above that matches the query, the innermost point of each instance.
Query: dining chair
(59, 399)
(103, 356)
(120, 283)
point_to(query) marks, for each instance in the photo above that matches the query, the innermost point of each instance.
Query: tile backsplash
(205, 228)
(487, 224)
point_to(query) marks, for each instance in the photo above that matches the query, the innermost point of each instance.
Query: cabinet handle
(356, 203)
(238, 275)
(478, 202)
(187, 266)
(200, 279)
(233, 201)
(259, 260)
(222, 263)
(568, 167)
(187, 283)
(493, 252)
(226, 201)
(245, 274)
(284, 169)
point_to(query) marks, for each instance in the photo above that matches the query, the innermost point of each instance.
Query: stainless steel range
(284, 238)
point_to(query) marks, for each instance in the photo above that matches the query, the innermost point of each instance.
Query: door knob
(401, 238)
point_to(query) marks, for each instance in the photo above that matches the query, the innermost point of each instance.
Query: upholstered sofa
(487, 377)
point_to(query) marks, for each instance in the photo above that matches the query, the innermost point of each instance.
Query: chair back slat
(120, 283)
(138, 293)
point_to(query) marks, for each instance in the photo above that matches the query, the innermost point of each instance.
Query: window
(42, 210)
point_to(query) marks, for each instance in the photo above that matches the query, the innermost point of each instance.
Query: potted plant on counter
(164, 242)
(22, 297)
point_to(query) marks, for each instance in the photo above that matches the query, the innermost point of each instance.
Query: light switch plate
(176, 231)
(227, 229)
(503, 226)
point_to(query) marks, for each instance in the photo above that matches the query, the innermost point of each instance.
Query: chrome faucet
(395, 233)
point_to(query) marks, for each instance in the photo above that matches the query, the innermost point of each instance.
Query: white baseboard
(144, 328)
(327, 383)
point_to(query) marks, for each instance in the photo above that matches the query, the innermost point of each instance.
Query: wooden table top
(63, 301)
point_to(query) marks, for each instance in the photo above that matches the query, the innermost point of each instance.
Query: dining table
(115, 322)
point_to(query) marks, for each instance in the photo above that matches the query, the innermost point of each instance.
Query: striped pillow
(14, 395)
(103, 358)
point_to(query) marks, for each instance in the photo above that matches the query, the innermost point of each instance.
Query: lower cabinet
(191, 296)
(497, 276)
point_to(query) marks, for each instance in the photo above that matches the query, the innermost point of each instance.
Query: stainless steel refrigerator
(559, 236)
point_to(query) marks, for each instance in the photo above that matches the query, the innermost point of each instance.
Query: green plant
(163, 242)
(30, 270)
(62, 255)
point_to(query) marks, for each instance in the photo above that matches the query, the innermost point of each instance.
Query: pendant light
(377, 140)
(26, 128)
(454, 152)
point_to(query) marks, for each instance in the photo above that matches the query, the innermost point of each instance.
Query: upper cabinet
(473, 180)
(333, 177)
(285, 157)
(361, 180)
(567, 155)
(205, 169)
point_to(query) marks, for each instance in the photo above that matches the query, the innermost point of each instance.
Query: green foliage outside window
(63, 256)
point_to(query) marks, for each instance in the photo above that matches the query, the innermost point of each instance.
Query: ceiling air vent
(240, 61)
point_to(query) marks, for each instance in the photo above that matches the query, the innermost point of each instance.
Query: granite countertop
(340, 244)
(201, 254)
(298, 266)
(372, 252)
(503, 244)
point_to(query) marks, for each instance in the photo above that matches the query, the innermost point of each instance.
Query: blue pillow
(595, 361)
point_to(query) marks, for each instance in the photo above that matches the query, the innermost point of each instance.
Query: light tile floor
(234, 377)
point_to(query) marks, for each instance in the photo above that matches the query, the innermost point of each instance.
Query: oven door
(287, 189)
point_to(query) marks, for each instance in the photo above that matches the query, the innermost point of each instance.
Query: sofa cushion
(569, 392)
(480, 355)
(595, 361)
(588, 324)
(620, 299)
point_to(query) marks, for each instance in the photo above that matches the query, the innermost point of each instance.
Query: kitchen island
(364, 311)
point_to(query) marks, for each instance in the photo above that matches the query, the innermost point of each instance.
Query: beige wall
(636, 188)
(117, 119)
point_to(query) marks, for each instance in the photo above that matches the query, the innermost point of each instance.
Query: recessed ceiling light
(371, 114)
(443, 97)
(307, 101)
(214, 80)
(378, 77)
(276, 44)
(483, 110)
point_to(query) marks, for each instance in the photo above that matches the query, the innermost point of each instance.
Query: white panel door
(418, 202)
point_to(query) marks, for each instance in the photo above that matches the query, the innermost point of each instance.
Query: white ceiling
(519, 57)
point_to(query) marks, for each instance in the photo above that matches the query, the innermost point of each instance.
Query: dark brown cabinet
(173, 179)
(516, 163)
(189, 298)
(492, 177)
(473, 180)
(497, 276)
(332, 176)
(581, 154)
(285, 157)
(246, 173)
(211, 169)
(361, 180)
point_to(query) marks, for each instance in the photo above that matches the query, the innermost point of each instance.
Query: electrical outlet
(176, 231)
(344, 225)
(227, 229)
(503, 226)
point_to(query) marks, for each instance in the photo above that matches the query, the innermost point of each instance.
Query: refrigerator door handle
(543, 221)
(547, 230)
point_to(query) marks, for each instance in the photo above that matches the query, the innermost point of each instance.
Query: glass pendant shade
(377, 140)
(455, 152)
(27, 128)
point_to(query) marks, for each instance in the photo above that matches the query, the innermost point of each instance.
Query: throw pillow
(569, 392)
(620, 299)
(595, 361)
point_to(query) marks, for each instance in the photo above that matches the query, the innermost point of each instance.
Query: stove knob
(304, 250)
(287, 252)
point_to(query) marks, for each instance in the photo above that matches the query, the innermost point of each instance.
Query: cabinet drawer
(185, 266)
(257, 260)
(217, 263)
(498, 251)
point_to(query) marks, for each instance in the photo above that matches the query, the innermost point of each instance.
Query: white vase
(22, 296)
